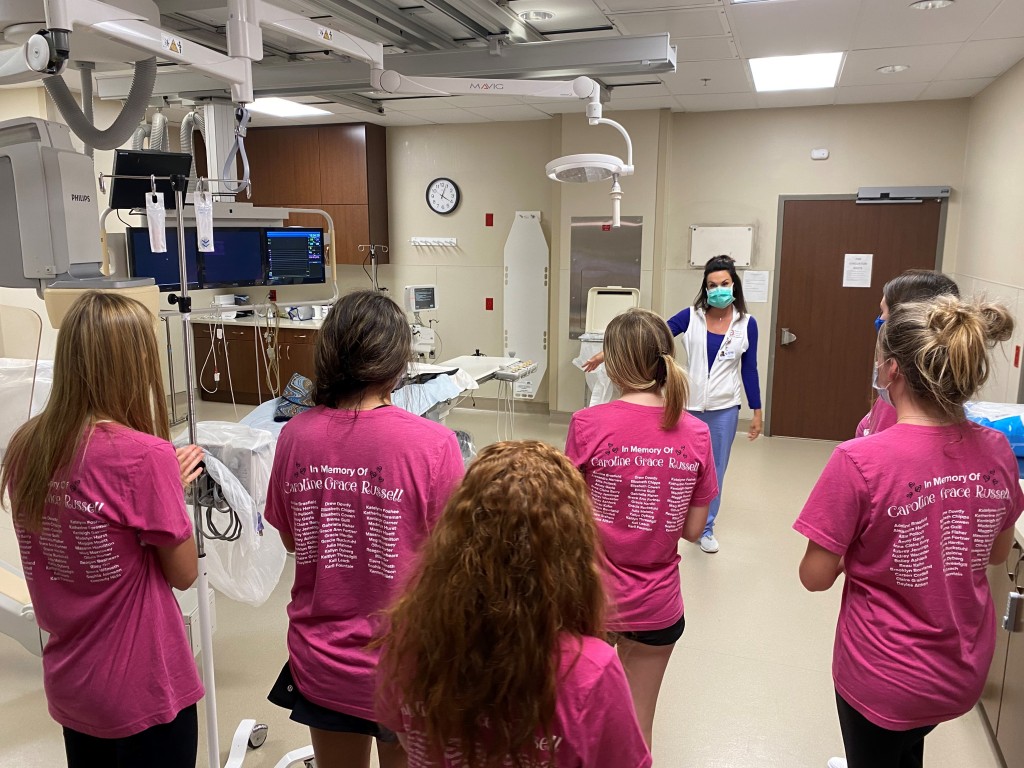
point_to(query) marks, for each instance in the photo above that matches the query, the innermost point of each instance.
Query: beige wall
(693, 168)
(731, 168)
(990, 252)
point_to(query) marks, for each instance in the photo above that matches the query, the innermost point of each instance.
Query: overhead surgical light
(585, 168)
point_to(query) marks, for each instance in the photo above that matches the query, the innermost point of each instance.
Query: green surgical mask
(720, 297)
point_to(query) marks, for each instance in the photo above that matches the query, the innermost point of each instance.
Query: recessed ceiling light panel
(284, 108)
(890, 69)
(930, 5)
(792, 73)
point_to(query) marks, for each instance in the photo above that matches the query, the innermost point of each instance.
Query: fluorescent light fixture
(930, 5)
(891, 69)
(284, 108)
(792, 73)
(536, 16)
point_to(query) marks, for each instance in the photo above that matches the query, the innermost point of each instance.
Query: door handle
(787, 337)
(1014, 617)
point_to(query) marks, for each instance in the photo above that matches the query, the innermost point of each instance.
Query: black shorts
(287, 695)
(666, 636)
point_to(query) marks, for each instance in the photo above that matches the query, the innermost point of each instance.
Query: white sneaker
(709, 544)
(837, 762)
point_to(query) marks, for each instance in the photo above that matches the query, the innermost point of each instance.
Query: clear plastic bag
(466, 446)
(239, 459)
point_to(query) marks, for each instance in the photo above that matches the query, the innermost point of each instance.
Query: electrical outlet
(220, 332)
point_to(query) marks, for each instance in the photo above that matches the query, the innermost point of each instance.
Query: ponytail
(676, 391)
(942, 347)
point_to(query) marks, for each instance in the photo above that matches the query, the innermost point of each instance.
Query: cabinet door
(284, 166)
(298, 349)
(1001, 582)
(1011, 714)
(343, 164)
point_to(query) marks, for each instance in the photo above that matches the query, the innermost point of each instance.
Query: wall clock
(443, 195)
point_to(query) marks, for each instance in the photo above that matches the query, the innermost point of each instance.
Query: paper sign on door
(857, 270)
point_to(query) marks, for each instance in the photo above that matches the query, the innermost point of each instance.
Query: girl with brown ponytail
(913, 516)
(651, 472)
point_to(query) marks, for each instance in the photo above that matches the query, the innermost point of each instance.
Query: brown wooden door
(821, 382)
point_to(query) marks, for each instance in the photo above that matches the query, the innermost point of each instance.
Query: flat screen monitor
(131, 193)
(236, 258)
(163, 267)
(295, 256)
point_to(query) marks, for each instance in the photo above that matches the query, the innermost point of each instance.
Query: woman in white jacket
(720, 339)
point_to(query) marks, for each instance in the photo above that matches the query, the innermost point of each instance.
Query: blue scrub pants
(723, 426)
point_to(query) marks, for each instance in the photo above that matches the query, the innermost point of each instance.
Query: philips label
(81, 198)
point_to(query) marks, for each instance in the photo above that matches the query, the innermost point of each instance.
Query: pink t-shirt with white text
(118, 660)
(643, 481)
(359, 494)
(880, 417)
(914, 512)
(595, 725)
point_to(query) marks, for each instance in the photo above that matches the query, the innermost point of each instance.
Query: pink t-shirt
(595, 725)
(359, 494)
(118, 660)
(880, 417)
(914, 511)
(643, 481)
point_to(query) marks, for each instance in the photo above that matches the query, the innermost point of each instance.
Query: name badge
(728, 354)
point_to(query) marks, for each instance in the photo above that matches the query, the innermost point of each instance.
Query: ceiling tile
(885, 23)
(628, 91)
(728, 76)
(789, 29)
(521, 112)
(696, 22)
(552, 107)
(716, 102)
(618, 105)
(956, 89)
(874, 94)
(704, 48)
(477, 100)
(925, 61)
(416, 104)
(596, 34)
(812, 97)
(448, 116)
(1006, 21)
(395, 118)
(984, 58)
(647, 5)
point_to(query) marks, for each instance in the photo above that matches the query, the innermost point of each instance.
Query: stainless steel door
(601, 255)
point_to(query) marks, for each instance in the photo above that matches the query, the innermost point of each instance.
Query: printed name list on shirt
(327, 533)
(961, 549)
(644, 496)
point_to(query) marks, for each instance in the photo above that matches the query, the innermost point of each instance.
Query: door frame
(783, 199)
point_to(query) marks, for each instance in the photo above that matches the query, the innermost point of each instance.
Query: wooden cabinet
(339, 168)
(238, 361)
(1003, 697)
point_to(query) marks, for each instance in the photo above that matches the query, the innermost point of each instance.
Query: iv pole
(249, 733)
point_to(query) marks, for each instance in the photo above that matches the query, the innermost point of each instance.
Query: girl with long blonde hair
(96, 494)
(494, 654)
(651, 472)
